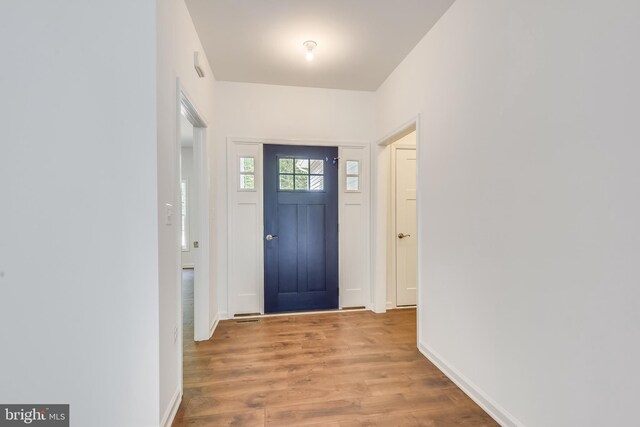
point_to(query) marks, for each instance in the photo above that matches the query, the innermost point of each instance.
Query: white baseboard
(496, 412)
(389, 305)
(172, 409)
(214, 325)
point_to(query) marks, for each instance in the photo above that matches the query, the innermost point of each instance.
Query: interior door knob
(270, 237)
(402, 235)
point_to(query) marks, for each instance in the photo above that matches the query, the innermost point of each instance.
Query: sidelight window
(352, 175)
(247, 173)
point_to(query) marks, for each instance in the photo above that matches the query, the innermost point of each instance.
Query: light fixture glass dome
(309, 45)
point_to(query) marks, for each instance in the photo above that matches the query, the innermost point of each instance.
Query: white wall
(177, 40)
(78, 235)
(529, 203)
(186, 171)
(279, 112)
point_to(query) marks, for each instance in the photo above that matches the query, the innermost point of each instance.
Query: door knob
(402, 235)
(270, 237)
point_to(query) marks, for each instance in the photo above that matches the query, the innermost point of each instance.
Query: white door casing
(200, 224)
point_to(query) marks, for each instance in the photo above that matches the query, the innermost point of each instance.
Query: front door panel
(301, 228)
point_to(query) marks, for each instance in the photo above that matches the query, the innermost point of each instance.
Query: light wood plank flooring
(338, 369)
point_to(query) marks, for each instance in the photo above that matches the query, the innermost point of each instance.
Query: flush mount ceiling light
(309, 45)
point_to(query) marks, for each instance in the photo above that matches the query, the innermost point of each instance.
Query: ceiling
(360, 42)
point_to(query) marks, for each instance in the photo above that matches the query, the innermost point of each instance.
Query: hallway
(331, 369)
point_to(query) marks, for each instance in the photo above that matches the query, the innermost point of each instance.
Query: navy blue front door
(301, 228)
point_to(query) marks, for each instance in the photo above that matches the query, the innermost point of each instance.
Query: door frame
(392, 229)
(381, 223)
(201, 188)
(232, 156)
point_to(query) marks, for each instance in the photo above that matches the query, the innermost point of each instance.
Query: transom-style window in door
(300, 174)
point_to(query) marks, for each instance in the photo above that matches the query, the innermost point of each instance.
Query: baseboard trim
(214, 325)
(494, 410)
(299, 313)
(172, 409)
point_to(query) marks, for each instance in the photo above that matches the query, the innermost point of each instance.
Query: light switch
(168, 213)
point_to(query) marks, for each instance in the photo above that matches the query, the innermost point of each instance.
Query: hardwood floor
(332, 369)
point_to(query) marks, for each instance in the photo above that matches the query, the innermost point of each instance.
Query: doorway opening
(188, 234)
(194, 201)
(193, 322)
(248, 232)
(397, 225)
(403, 259)
(193, 195)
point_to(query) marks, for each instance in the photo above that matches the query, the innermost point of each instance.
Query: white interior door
(405, 230)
